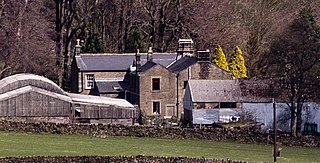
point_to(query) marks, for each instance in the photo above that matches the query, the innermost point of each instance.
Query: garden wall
(245, 135)
(85, 159)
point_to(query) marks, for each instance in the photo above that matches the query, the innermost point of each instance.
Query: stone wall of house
(250, 134)
(82, 79)
(208, 70)
(166, 94)
(183, 79)
(140, 158)
(200, 70)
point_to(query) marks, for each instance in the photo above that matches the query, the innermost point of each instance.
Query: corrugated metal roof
(118, 62)
(27, 89)
(215, 90)
(24, 76)
(98, 100)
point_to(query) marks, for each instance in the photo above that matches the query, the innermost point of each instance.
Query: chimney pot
(78, 47)
(150, 50)
(78, 42)
(149, 55)
(138, 60)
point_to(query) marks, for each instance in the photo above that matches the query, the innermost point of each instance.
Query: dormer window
(89, 81)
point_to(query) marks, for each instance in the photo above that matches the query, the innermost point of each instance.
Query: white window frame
(159, 107)
(89, 78)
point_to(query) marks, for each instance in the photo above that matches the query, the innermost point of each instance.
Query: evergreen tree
(236, 65)
(93, 45)
(219, 58)
(134, 42)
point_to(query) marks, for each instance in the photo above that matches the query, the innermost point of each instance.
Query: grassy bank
(23, 144)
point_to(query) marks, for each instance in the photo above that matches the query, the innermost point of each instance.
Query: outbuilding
(29, 97)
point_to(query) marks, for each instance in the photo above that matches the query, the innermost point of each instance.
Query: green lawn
(22, 144)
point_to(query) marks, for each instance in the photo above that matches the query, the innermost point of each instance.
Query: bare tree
(293, 62)
(23, 31)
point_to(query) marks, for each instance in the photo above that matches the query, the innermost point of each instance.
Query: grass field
(23, 144)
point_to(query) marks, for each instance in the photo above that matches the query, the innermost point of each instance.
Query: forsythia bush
(219, 58)
(236, 65)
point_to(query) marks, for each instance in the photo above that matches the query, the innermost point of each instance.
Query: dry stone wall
(133, 159)
(245, 135)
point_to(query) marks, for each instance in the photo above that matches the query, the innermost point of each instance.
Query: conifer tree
(236, 65)
(219, 58)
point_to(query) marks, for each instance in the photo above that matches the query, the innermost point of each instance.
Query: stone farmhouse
(153, 82)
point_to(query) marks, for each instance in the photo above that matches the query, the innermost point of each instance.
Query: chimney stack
(138, 60)
(185, 48)
(149, 55)
(204, 55)
(78, 47)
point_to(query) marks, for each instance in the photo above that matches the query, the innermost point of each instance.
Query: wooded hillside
(38, 36)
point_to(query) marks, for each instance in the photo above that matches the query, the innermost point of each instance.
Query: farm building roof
(18, 84)
(21, 80)
(88, 99)
(230, 91)
(118, 62)
(27, 89)
(215, 90)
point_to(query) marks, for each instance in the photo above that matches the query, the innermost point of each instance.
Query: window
(228, 105)
(77, 111)
(89, 81)
(155, 83)
(156, 107)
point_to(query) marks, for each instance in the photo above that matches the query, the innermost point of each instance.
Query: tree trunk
(121, 26)
(292, 120)
(299, 116)
(299, 122)
(293, 110)
(58, 40)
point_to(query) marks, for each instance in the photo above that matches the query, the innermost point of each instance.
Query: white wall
(263, 112)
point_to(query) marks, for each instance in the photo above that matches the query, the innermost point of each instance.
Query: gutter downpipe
(81, 82)
(177, 104)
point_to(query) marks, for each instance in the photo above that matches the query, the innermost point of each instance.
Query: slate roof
(147, 66)
(252, 91)
(215, 90)
(182, 63)
(118, 62)
(112, 86)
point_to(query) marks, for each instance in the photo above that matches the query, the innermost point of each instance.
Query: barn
(212, 101)
(223, 101)
(33, 98)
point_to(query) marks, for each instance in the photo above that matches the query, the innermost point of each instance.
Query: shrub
(219, 58)
(236, 65)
